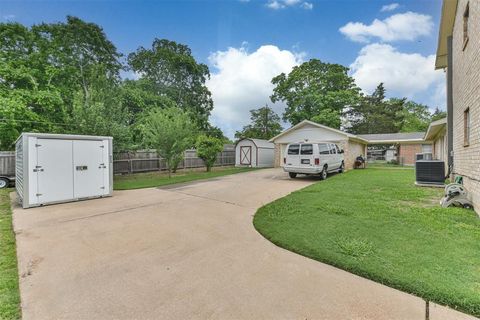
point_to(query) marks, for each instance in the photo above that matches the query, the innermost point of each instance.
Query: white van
(313, 158)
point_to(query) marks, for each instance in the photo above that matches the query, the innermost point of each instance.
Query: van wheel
(342, 167)
(3, 183)
(292, 175)
(323, 174)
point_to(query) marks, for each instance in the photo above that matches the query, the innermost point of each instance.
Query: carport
(407, 144)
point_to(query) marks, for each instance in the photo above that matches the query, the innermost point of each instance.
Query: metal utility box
(430, 172)
(54, 168)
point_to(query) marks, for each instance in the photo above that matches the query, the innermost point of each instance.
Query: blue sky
(246, 42)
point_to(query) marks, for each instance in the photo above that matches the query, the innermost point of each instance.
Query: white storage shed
(53, 168)
(255, 153)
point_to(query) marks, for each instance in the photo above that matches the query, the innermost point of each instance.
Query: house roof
(434, 128)
(260, 143)
(449, 10)
(305, 122)
(386, 138)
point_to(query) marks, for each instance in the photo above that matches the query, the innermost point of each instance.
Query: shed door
(246, 155)
(53, 170)
(89, 167)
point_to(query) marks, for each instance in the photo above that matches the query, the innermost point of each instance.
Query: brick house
(458, 53)
(407, 145)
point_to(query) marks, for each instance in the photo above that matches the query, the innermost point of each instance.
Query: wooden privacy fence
(148, 160)
(138, 161)
(7, 163)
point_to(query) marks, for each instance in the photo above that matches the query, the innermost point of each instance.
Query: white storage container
(53, 168)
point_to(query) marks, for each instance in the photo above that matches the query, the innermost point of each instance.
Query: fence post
(130, 165)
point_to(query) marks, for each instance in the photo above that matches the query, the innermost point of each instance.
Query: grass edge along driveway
(375, 223)
(157, 179)
(9, 290)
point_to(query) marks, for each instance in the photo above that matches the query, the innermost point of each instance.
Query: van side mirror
(342, 151)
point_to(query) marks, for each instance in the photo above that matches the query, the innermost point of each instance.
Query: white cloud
(402, 26)
(9, 17)
(281, 4)
(307, 5)
(291, 2)
(275, 5)
(390, 7)
(241, 81)
(410, 75)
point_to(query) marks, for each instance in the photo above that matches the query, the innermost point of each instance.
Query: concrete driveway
(187, 252)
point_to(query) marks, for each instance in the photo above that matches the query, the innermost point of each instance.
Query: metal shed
(53, 168)
(255, 153)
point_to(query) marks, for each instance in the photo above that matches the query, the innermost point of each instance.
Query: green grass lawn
(9, 292)
(156, 179)
(377, 224)
(384, 164)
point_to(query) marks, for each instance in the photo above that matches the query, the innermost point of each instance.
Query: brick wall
(466, 94)
(406, 153)
(352, 151)
(277, 159)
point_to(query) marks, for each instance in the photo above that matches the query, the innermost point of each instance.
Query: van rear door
(306, 155)
(292, 157)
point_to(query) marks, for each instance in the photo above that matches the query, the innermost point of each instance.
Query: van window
(293, 149)
(323, 148)
(306, 149)
(332, 149)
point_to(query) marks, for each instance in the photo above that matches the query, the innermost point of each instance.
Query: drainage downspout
(450, 106)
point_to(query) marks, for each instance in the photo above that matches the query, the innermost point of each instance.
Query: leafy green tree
(102, 114)
(438, 114)
(216, 132)
(415, 117)
(208, 149)
(328, 117)
(54, 74)
(79, 55)
(170, 131)
(376, 114)
(265, 124)
(137, 97)
(313, 87)
(173, 71)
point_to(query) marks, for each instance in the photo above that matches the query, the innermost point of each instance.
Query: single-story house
(306, 130)
(255, 153)
(437, 133)
(407, 144)
(458, 53)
